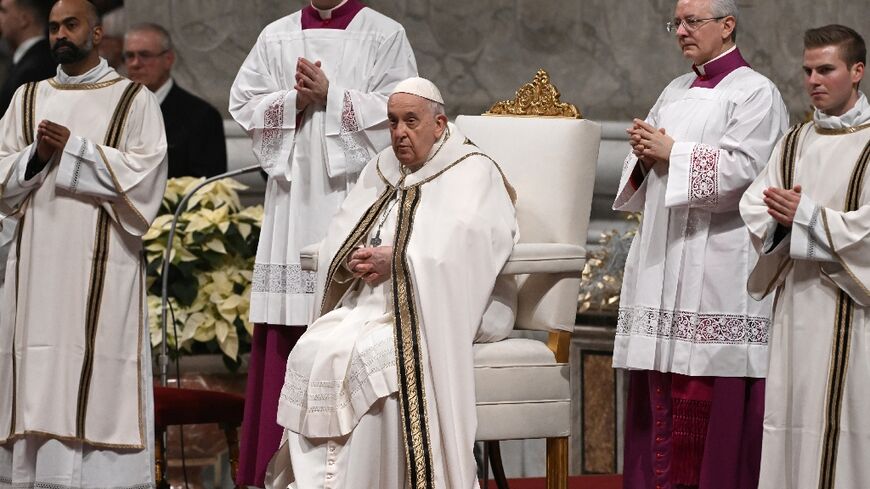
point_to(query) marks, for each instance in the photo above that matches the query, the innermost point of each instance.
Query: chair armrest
(545, 258)
(308, 257)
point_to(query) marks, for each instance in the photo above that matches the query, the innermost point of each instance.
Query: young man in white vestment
(695, 342)
(312, 94)
(809, 215)
(379, 391)
(83, 167)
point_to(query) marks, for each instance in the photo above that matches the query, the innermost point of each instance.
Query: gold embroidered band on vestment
(789, 154)
(409, 352)
(83, 86)
(842, 342)
(28, 108)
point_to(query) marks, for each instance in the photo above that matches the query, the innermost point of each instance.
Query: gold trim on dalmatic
(28, 108)
(409, 354)
(841, 344)
(119, 117)
(83, 86)
(92, 317)
(789, 155)
(828, 131)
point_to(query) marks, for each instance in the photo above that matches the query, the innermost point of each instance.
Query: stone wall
(610, 57)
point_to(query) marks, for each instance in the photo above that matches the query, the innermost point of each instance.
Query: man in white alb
(312, 94)
(83, 167)
(809, 215)
(695, 342)
(379, 392)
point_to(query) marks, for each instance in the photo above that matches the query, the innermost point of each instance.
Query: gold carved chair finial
(538, 98)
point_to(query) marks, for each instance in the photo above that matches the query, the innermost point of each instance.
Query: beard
(72, 54)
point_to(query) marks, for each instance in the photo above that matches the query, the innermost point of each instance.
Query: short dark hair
(40, 9)
(851, 44)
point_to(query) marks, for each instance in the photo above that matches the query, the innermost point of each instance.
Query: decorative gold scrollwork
(539, 98)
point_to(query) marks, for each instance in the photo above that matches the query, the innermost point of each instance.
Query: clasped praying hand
(782, 203)
(312, 85)
(371, 264)
(649, 144)
(50, 139)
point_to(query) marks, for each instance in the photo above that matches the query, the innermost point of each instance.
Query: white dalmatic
(75, 368)
(816, 429)
(684, 307)
(312, 157)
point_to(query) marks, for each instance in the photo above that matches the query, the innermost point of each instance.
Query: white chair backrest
(551, 163)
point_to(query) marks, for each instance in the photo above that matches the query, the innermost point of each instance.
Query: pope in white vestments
(75, 367)
(692, 337)
(312, 94)
(379, 392)
(809, 215)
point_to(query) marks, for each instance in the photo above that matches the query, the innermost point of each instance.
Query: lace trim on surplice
(704, 176)
(694, 327)
(352, 139)
(334, 395)
(273, 130)
(282, 279)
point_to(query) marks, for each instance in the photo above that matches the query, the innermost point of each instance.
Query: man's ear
(98, 35)
(728, 25)
(441, 121)
(857, 72)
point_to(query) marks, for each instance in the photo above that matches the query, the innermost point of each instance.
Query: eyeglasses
(145, 56)
(690, 24)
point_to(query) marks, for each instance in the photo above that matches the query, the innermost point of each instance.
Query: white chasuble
(73, 365)
(314, 156)
(399, 354)
(816, 428)
(684, 307)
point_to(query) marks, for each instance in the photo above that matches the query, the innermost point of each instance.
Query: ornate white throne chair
(549, 155)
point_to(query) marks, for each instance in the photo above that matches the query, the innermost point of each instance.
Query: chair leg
(160, 478)
(497, 466)
(232, 435)
(557, 463)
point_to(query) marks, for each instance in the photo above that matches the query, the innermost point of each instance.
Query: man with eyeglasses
(694, 341)
(809, 215)
(194, 129)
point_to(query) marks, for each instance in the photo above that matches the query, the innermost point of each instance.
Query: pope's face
(413, 128)
(830, 84)
(706, 40)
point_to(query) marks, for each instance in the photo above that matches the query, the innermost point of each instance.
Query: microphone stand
(163, 357)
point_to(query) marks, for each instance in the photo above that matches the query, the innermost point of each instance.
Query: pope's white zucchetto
(420, 87)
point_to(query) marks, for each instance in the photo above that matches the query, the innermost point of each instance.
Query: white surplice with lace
(684, 307)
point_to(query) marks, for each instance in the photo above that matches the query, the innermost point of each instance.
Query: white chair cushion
(545, 258)
(511, 352)
(522, 421)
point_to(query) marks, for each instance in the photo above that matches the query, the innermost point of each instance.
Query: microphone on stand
(163, 357)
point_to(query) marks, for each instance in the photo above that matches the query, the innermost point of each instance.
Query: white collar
(327, 14)
(164, 89)
(93, 75)
(857, 115)
(22, 48)
(701, 68)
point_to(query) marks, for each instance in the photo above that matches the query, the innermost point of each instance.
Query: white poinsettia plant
(210, 269)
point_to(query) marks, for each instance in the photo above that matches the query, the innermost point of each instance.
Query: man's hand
(649, 144)
(371, 264)
(50, 138)
(311, 83)
(782, 204)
